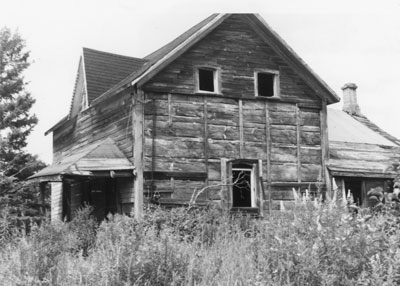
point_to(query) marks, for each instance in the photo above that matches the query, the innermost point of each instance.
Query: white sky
(341, 40)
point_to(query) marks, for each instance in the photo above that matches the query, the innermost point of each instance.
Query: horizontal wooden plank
(311, 155)
(283, 172)
(223, 132)
(284, 134)
(174, 164)
(223, 149)
(175, 147)
(310, 118)
(310, 172)
(192, 176)
(283, 154)
(282, 118)
(310, 138)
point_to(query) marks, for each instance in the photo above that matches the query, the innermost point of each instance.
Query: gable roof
(103, 70)
(107, 74)
(103, 156)
(165, 55)
(343, 127)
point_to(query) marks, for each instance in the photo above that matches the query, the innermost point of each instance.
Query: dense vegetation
(309, 244)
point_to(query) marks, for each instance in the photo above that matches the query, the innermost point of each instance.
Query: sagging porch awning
(349, 168)
(102, 159)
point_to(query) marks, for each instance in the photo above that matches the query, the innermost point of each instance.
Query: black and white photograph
(199, 143)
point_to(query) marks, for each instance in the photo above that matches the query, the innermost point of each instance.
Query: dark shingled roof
(159, 54)
(103, 70)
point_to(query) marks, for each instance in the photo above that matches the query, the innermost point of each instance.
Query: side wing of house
(104, 179)
(360, 158)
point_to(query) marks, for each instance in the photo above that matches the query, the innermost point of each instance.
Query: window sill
(207, 93)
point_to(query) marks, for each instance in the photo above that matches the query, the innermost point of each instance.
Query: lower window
(243, 185)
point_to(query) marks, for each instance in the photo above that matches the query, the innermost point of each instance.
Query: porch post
(42, 188)
(138, 158)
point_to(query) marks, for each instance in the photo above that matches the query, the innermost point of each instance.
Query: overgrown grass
(310, 244)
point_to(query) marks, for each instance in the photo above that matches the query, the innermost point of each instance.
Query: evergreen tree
(15, 102)
(21, 199)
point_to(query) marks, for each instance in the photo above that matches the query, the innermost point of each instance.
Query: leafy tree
(16, 123)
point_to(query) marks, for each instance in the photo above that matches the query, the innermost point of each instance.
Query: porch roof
(100, 157)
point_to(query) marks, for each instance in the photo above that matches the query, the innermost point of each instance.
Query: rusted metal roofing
(344, 128)
(103, 70)
(103, 156)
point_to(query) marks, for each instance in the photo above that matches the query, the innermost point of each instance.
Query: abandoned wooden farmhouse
(227, 106)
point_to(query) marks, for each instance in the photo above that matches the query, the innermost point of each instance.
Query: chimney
(350, 104)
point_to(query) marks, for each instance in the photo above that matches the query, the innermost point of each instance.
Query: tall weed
(310, 243)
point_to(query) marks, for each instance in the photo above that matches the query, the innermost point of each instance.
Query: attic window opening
(207, 80)
(267, 84)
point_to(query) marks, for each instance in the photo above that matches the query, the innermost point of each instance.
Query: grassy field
(310, 244)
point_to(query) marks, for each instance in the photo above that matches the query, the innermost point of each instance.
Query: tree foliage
(20, 198)
(16, 123)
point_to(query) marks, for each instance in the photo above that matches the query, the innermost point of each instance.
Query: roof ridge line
(113, 54)
(181, 45)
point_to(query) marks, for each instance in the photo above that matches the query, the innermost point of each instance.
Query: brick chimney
(350, 104)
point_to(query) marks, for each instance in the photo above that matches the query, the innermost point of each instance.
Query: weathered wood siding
(189, 132)
(111, 118)
(238, 51)
(362, 160)
(188, 135)
(56, 201)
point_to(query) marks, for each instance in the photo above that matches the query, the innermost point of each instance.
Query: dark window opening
(265, 82)
(242, 189)
(355, 187)
(206, 80)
